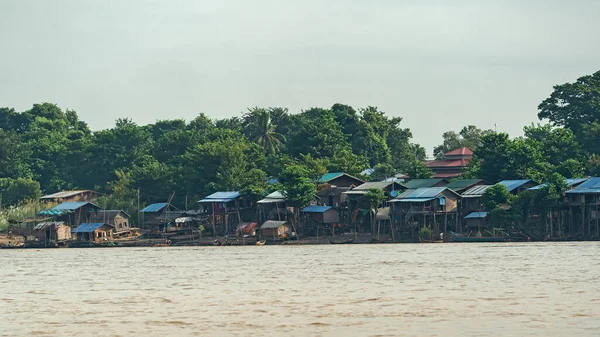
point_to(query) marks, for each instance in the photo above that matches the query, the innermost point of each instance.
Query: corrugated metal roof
(477, 215)
(356, 192)
(221, 197)
(66, 194)
(87, 227)
(590, 186)
(413, 200)
(570, 182)
(330, 176)
(512, 185)
(462, 184)
(589, 183)
(316, 209)
(52, 225)
(475, 191)
(71, 206)
(272, 224)
(380, 185)
(154, 208)
(420, 183)
(276, 196)
(430, 192)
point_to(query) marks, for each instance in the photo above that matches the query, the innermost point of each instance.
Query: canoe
(456, 238)
(343, 241)
(261, 242)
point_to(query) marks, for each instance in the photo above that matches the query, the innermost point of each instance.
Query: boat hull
(455, 238)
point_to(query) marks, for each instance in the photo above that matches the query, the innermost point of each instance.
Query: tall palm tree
(266, 135)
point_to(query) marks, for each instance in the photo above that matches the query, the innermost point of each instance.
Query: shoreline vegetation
(318, 159)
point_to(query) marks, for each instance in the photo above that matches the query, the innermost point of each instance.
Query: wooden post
(551, 222)
(213, 221)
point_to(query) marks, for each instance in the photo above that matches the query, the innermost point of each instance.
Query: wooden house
(273, 207)
(360, 215)
(471, 199)
(119, 219)
(74, 213)
(155, 217)
(274, 230)
(316, 217)
(476, 221)
(434, 207)
(340, 179)
(223, 209)
(93, 232)
(51, 233)
(582, 219)
(71, 196)
(333, 196)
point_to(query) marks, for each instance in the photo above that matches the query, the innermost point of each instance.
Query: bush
(425, 233)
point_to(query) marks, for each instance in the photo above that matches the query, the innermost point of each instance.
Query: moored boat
(341, 241)
(453, 237)
(261, 242)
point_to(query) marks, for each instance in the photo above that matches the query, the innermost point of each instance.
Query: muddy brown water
(529, 289)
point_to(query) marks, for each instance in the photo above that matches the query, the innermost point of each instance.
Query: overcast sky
(438, 66)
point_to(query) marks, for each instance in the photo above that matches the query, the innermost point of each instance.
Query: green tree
(469, 136)
(495, 196)
(592, 167)
(262, 131)
(382, 171)
(13, 191)
(299, 188)
(348, 162)
(417, 169)
(492, 161)
(573, 105)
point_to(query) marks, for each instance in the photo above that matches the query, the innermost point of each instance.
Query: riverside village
(346, 210)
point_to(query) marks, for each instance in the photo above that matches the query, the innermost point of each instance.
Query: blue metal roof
(593, 182)
(221, 197)
(413, 200)
(153, 208)
(316, 209)
(590, 186)
(512, 185)
(477, 215)
(570, 182)
(425, 192)
(330, 176)
(87, 227)
(71, 206)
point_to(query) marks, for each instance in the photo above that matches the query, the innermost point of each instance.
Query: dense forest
(46, 149)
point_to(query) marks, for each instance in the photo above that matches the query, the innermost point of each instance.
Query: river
(527, 289)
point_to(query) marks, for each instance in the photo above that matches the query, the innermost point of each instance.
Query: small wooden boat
(166, 244)
(458, 238)
(342, 241)
(430, 241)
(261, 242)
(12, 246)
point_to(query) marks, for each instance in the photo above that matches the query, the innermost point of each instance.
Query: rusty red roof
(463, 151)
(449, 163)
